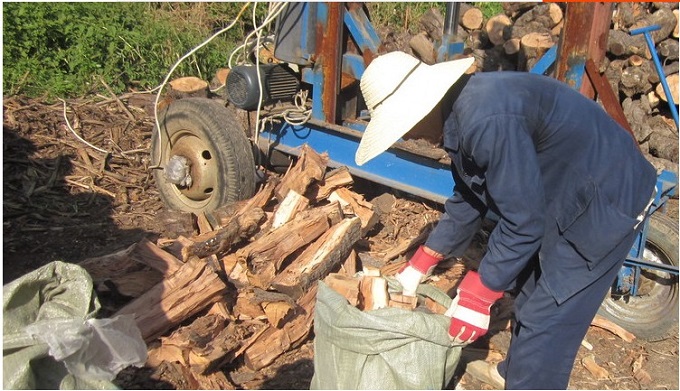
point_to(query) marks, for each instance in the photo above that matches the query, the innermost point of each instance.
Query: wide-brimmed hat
(399, 91)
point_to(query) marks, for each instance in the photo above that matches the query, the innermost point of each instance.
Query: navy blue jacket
(553, 165)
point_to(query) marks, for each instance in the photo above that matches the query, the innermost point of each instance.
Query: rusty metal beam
(586, 28)
(329, 51)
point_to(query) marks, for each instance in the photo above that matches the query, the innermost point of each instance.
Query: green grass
(70, 49)
(67, 49)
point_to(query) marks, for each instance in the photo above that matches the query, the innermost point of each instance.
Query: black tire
(212, 138)
(652, 315)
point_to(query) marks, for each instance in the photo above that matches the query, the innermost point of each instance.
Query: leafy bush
(67, 49)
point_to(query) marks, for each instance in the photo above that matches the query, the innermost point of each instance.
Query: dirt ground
(64, 200)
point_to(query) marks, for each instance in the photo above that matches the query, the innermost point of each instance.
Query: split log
(191, 289)
(498, 29)
(675, 34)
(210, 352)
(157, 258)
(273, 342)
(239, 228)
(397, 300)
(335, 179)
(346, 286)
(373, 293)
(289, 207)
(310, 167)
(349, 267)
(265, 256)
(132, 271)
(354, 204)
(319, 259)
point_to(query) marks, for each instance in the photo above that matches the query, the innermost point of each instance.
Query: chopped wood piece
(293, 203)
(155, 257)
(353, 203)
(217, 350)
(309, 168)
(247, 307)
(191, 289)
(266, 255)
(276, 312)
(324, 255)
(204, 225)
(273, 342)
(347, 286)
(333, 180)
(237, 229)
(398, 300)
(349, 267)
(610, 326)
(373, 293)
(597, 371)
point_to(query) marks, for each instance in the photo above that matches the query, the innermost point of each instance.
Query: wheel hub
(203, 166)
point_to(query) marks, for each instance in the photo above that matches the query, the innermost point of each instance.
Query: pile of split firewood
(519, 37)
(240, 292)
(244, 286)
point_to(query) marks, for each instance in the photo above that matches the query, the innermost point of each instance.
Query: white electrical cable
(274, 12)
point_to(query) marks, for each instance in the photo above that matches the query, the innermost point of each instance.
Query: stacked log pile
(516, 39)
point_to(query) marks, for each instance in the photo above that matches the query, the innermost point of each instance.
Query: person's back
(574, 138)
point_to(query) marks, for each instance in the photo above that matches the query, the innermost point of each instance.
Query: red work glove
(470, 309)
(417, 269)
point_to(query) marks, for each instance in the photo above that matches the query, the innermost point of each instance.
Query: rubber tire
(654, 316)
(219, 128)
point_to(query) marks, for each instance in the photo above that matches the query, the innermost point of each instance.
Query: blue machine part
(397, 169)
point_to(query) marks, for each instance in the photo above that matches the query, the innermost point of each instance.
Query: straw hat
(399, 91)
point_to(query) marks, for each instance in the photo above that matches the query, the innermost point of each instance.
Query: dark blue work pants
(546, 336)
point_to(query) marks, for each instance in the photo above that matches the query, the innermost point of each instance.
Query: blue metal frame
(394, 168)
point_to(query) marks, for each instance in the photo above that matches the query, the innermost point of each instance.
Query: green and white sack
(387, 348)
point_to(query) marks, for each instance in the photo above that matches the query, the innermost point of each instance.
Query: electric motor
(279, 83)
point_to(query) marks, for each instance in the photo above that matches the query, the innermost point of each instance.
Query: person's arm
(451, 237)
(503, 147)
